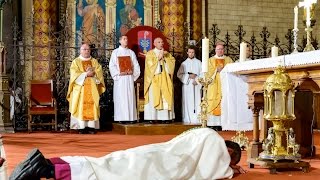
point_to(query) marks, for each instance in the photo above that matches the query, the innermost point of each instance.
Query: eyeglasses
(85, 49)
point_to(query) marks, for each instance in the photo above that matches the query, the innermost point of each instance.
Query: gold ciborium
(279, 109)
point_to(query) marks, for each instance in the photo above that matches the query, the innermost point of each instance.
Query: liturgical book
(125, 63)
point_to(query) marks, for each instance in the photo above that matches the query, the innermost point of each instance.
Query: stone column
(44, 19)
(196, 19)
(173, 23)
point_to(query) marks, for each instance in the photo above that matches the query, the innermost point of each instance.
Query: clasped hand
(219, 68)
(128, 72)
(90, 72)
(161, 54)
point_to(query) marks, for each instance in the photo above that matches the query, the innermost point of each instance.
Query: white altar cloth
(235, 114)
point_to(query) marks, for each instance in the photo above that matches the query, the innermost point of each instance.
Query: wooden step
(152, 129)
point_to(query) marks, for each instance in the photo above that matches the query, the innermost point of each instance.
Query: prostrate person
(188, 72)
(85, 87)
(158, 84)
(199, 153)
(124, 69)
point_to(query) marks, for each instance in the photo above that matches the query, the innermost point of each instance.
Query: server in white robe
(123, 87)
(188, 72)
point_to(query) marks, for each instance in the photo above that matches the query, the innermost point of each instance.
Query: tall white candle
(205, 54)
(274, 51)
(308, 22)
(243, 52)
(295, 17)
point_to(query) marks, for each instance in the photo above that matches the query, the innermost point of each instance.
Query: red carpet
(59, 144)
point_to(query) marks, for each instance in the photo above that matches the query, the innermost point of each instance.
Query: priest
(196, 154)
(158, 85)
(188, 73)
(124, 69)
(216, 64)
(85, 87)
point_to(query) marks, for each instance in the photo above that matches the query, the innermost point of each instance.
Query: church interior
(270, 102)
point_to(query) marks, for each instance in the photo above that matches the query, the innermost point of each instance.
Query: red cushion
(41, 93)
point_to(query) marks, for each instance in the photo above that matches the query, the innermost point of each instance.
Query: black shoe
(92, 131)
(34, 167)
(83, 131)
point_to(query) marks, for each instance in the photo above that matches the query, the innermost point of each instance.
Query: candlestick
(243, 52)
(295, 17)
(295, 38)
(308, 21)
(205, 54)
(274, 51)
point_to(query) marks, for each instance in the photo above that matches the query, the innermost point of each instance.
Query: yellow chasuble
(214, 89)
(84, 99)
(162, 86)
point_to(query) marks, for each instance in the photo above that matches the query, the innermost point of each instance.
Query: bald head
(85, 51)
(158, 43)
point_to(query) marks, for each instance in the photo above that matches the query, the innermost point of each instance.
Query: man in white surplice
(191, 91)
(123, 88)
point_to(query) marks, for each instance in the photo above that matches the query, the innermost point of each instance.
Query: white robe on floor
(191, 94)
(123, 87)
(196, 154)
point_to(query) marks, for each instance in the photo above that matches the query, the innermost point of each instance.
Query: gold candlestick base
(203, 116)
(241, 139)
(309, 46)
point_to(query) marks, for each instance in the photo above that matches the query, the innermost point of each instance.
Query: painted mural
(90, 22)
(129, 14)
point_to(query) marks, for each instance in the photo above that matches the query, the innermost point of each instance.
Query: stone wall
(276, 15)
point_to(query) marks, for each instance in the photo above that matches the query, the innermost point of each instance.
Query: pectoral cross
(307, 5)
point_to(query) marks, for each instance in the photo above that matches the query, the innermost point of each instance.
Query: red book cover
(125, 63)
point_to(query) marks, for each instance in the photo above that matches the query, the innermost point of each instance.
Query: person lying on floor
(200, 153)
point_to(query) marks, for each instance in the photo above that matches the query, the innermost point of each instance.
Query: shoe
(92, 131)
(34, 167)
(83, 131)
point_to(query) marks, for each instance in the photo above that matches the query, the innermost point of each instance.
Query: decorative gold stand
(279, 149)
(309, 46)
(241, 139)
(203, 116)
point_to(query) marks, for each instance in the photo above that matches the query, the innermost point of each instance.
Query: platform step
(152, 129)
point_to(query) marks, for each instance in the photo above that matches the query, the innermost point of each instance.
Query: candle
(243, 51)
(274, 51)
(205, 54)
(295, 17)
(308, 22)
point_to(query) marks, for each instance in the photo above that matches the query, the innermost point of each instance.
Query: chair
(42, 102)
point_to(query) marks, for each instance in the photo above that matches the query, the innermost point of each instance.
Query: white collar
(84, 59)
(221, 57)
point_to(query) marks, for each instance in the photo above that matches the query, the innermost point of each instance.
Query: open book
(125, 63)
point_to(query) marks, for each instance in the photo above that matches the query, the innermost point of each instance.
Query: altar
(243, 100)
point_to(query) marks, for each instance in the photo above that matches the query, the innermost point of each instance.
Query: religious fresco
(129, 14)
(90, 22)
